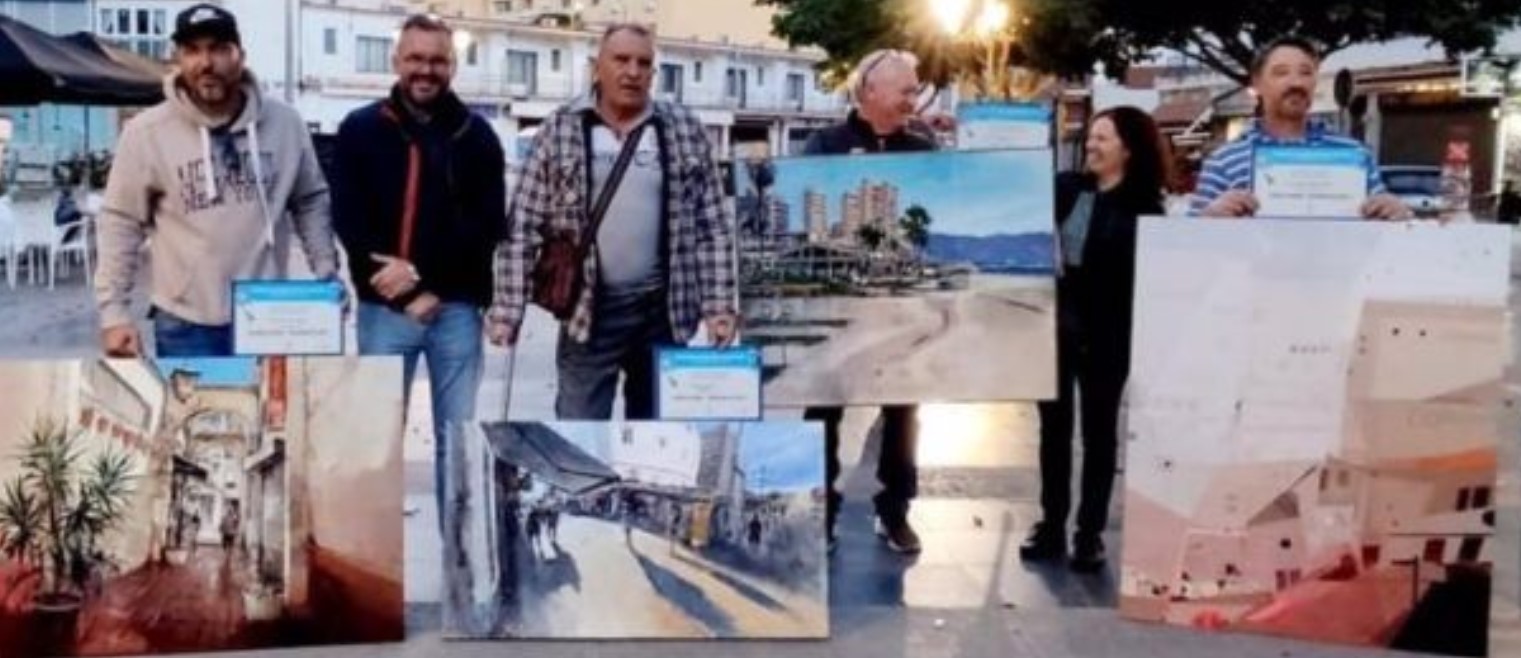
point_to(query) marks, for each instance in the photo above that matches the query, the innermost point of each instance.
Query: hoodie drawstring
(209, 174)
(209, 171)
(258, 172)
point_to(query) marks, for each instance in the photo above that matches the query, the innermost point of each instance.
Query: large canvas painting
(900, 278)
(199, 505)
(1314, 415)
(582, 530)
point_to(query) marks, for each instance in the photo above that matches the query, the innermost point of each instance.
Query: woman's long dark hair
(1147, 172)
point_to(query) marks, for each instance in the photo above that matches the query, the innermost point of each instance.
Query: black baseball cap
(206, 20)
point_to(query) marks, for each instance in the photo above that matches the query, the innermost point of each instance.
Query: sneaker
(899, 535)
(1043, 545)
(1088, 554)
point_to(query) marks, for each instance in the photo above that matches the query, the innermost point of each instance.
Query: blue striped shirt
(1230, 166)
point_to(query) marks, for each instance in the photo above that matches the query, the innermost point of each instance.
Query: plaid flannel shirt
(552, 196)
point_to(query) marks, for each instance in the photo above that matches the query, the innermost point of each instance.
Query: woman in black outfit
(1096, 210)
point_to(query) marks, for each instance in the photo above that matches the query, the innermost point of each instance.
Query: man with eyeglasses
(885, 91)
(219, 177)
(419, 201)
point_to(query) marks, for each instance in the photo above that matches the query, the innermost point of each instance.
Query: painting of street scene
(1315, 416)
(900, 278)
(584, 530)
(199, 505)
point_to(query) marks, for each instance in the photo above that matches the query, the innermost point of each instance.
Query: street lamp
(463, 40)
(952, 14)
(984, 23)
(993, 19)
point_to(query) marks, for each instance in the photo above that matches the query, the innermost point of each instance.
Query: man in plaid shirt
(664, 257)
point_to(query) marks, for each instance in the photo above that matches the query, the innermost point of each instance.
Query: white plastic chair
(35, 237)
(68, 239)
(8, 237)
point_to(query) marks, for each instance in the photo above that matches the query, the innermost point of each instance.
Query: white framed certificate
(708, 384)
(1309, 182)
(296, 318)
(992, 126)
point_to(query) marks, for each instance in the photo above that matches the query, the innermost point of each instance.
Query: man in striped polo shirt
(1283, 78)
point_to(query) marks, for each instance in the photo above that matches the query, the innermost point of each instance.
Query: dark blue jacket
(442, 182)
(855, 135)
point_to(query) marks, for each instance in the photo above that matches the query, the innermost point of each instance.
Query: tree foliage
(1068, 37)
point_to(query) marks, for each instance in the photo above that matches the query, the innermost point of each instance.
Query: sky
(972, 193)
(788, 455)
(215, 372)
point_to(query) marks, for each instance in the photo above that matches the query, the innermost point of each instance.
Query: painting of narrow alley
(198, 505)
(636, 530)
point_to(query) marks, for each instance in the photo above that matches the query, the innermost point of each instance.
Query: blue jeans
(453, 345)
(628, 325)
(176, 337)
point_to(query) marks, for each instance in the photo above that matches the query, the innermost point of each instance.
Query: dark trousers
(627, 328)
(897, 469)
(1098, 366)
(177, 337)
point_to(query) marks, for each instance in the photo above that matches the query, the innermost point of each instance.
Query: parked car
(1419, 186)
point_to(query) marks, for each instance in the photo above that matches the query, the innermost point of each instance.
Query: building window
(160, 19)
(1462, 499)
(107, 21)
(760, 76)
(330, 41)
(795, 82)
(144, 21)
(734, 83)
(697, 72)
(670, 79)
(522, 70)
(472, 54)
(372, 54)
(1480, 498)
(124, 21)
(554, 60)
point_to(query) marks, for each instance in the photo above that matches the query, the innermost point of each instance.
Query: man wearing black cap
(221, 178)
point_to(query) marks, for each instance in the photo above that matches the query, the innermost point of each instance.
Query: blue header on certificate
(253, 292)
(1347, 156)
(1029, 112)
(717, 359)
(708, 384)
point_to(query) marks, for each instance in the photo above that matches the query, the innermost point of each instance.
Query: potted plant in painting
(60, 506)
(263, 598)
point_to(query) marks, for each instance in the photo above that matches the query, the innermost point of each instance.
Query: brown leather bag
(558, 272)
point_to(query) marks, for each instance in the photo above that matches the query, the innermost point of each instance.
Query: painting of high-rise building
(816, 215)
(899, 298)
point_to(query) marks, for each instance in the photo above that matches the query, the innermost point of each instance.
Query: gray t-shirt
(628, 242)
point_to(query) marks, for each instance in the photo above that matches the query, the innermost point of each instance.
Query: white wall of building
(665, 454)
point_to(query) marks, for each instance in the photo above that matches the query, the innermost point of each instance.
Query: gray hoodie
(173, 180)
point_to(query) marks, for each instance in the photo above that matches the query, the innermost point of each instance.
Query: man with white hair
(885, 91)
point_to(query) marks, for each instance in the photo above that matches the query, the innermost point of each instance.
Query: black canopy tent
(36, 67)
(538, 449)
(120, 55)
